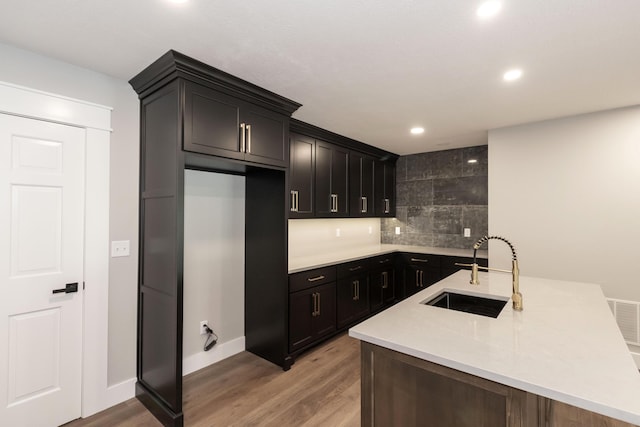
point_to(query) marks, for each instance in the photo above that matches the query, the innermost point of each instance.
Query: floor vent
(627, 315)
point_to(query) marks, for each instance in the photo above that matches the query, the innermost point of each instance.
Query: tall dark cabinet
(196, 116)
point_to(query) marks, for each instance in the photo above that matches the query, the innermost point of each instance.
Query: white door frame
(96, 120)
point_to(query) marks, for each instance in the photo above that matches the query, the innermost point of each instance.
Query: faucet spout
(516, 296)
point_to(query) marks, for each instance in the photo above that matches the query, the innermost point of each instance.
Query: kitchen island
(561, 361)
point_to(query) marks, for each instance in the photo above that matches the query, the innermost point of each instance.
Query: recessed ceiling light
(488, 9)
(178, 1)
(417, 130)
(512, 75)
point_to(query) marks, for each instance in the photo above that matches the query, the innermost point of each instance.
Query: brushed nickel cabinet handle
(313, 303)
(419, 260)
(363, 205)
(249, 139)
(384, 280)
(318, 303)
(243, 137)
(384, 261)
(417, 278)
(387, 204)
(315, 279)
(297, 200)
(355, 268)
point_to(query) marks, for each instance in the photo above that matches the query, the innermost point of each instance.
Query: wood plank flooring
(321, 389)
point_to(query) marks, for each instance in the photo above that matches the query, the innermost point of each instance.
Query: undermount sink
(468, 303)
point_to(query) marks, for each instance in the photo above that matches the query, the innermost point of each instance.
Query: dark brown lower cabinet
(420, 272)
(381, 288)
(352, 299)
(312, 315)
(401, 390)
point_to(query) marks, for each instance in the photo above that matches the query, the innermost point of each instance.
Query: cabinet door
(420, 272)
(325, 319)
(384, 186)
(267, 136)
(332, 178)
(361, 180)
(312, 315)
(340, 180)
(301, 176)
(352, 299)
(211, 122)
(301, 309)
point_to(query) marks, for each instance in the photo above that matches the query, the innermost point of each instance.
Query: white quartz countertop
(323, 259)
(565, 345)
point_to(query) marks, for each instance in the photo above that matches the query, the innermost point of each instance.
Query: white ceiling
(367, 69)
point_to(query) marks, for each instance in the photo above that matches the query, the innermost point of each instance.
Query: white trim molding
(96, 119)
(23, 101)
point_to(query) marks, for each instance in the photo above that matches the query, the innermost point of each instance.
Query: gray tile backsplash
(438, 194)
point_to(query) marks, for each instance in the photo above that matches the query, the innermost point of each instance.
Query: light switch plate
(467, 232)
(397, 230)
(120, 248)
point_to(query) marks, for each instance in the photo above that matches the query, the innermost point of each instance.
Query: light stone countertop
(565, 345)
(297, 264)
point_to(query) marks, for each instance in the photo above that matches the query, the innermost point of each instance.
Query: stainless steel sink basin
(468, 303)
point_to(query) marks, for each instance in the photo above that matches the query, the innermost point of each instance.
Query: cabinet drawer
(309, 278)
(382, 261)
(354, 267)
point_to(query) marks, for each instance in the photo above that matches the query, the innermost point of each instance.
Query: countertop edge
(372, 251)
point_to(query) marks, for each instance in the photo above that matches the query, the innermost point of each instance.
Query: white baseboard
(120, 392)
(205, 358)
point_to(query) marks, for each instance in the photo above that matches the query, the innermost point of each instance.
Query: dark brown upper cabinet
(221, 125)
(361, 180)
(345, 181)
(332, 180)
(384, 186)
(301, 176)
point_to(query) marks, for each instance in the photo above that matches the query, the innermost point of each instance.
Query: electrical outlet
(397, 230)
(203, 330)
(119, 248)
(467, 232)
(370, 230)
(337, 232)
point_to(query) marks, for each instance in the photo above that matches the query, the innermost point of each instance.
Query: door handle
(318, 311)
(69, 288)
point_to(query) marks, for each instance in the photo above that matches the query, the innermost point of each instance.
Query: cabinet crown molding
(312, 131)
(174, 65)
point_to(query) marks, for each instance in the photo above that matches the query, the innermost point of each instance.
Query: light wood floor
(321, 389)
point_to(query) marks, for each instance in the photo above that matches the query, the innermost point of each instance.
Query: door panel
(41, 223)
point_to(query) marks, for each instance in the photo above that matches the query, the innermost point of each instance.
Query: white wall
(213, 265)
(566, 192)
(29, 69)
(308, 237)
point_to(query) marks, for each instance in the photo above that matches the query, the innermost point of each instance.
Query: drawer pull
(355, 268)
(419, 260)
(315, 279)
(384, 261)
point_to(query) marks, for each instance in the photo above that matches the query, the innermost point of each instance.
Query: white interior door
(41, 250)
